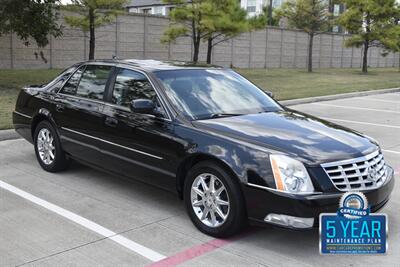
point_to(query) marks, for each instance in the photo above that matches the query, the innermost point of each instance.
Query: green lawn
(284, 83)
(10, 83)
(292, 83)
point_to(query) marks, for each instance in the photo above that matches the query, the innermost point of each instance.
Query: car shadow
(273, 238)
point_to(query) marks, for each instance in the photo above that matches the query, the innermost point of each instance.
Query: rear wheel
(48, 149)
(213, 200)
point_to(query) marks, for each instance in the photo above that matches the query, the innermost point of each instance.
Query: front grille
(364, 173)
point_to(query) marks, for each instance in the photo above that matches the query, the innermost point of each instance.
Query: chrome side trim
(118, 156)
(23, 115)
(83, 98)
(282, 192)
(260, 186)
(111, 143)
(111, 105)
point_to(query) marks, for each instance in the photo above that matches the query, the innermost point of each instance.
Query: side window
(72, 85)
(55, 85)
(93, 82)
(130, 85)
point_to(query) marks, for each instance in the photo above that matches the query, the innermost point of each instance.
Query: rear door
(78, 112)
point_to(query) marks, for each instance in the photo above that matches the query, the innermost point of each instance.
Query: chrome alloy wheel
(210, 200)
(45, 146)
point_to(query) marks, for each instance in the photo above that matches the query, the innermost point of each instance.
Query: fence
(138, 36)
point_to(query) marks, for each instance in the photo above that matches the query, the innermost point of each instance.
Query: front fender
(249, 163)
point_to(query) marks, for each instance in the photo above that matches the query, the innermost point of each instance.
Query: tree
(225, 20)
(30, 19)
(187, 20)
(93, 14)
(311, 16)
(372, 23)
(269, 12)
(207, 20)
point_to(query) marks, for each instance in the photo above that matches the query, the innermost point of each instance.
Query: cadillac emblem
(372, 174)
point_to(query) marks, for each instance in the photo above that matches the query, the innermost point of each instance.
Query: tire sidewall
(236, 214)
(59, 155)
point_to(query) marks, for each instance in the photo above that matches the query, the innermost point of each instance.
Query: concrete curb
(339, 96)
(10, 134)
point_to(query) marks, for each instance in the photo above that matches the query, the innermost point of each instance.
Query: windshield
(210, 93)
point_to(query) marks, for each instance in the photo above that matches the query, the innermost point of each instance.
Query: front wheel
(48, 149)
(214, 200)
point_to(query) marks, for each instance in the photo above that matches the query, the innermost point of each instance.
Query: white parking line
(391, 151)
(129, 244)
(379, 100)
(362, 122)
(369, 109)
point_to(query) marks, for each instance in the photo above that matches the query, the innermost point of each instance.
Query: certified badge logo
(353, 230)
(353, 205)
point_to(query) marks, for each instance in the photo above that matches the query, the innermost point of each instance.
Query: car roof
(152, 65)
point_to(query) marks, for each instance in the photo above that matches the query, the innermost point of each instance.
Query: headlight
(290, 175)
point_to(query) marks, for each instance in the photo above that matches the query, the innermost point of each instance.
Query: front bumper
(261, 202)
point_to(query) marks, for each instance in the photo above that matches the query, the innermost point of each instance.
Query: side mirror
(270, 94)
(143, 106)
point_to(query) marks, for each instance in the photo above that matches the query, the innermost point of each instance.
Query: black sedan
(230, 151)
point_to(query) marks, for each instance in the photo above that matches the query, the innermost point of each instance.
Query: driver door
(139, 145)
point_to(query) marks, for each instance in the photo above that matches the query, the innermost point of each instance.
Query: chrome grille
(364, 173)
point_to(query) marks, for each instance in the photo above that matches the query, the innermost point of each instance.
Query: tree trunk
(270, 13)
(310, 51)
(209, 50)
(196, 42)
(196, 47)
(92, 42)
(365, 57)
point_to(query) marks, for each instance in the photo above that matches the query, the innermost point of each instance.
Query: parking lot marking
(88, 224)
(191, 253)
(359, 108)
(380, 100)
(397, 170)
(362, 122)
(199, 250)
(391, 151)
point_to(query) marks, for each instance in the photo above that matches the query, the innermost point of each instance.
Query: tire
(46, 140)
(234, 213)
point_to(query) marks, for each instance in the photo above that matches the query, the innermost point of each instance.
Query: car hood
(306, 137)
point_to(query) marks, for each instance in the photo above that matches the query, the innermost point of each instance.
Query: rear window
(72, 85)
(56, 84)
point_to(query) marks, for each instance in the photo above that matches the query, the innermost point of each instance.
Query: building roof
(145, 3)
(141, 3)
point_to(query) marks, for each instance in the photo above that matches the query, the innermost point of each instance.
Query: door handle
(60, 107)
(111, 122)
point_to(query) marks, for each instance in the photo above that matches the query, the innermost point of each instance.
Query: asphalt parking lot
(83, 217)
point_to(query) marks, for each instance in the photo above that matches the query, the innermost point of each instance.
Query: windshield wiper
(220, 115)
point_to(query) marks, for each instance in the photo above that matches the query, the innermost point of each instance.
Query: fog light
(289, 221)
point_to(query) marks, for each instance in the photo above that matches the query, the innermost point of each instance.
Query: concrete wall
(138, 36)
